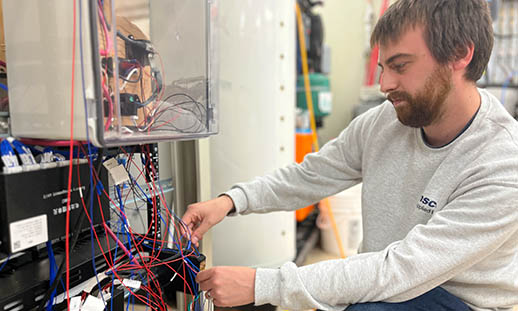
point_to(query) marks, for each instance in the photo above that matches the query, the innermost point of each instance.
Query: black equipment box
(33, 205)
(165, 273)
(25, 279)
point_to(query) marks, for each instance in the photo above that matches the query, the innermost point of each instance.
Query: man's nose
(388, 83)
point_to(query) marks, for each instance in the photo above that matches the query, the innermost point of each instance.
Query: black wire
(196, 103)
(181, 94)
(182, 105)
(143, 44)
(195, 127)
(158, 87)
(167, 124)
(189, 129)
(75, 235)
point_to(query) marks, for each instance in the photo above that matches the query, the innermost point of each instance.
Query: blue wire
(191, 264)
(181, 222)
(52, 273)
(114, 260)
(5, 263)
(170, 211)
(193, 283)
(3, 86)
(123, 215)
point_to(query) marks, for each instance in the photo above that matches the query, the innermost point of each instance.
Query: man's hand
(200, 217)
(228, 286)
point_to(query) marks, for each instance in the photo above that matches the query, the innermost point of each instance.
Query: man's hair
(450, 26)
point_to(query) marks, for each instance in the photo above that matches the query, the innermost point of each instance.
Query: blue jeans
(437, 300)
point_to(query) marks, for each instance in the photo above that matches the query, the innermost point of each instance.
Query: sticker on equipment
(28, 233)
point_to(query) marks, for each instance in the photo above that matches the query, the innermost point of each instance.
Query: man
(439, 166)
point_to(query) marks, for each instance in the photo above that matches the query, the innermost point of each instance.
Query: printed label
(93, 304)
(75, 303)
(62, 192)
(28, 232)
(325, 102)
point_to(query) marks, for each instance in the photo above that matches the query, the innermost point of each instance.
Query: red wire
(153, 191)
(162, 197)
(153, 194)
(165, 122)
(159, 303)
(152, 261)
(71, 147)
(108, 46)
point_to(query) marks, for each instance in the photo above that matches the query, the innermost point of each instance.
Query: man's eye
(400, 67)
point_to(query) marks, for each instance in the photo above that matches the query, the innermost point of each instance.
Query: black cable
(192, 100)
(192, 104)
(143, 44)
(75, 236)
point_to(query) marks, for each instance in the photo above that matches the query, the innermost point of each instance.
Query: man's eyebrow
(396, 57)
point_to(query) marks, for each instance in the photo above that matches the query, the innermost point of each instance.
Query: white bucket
(346, 207)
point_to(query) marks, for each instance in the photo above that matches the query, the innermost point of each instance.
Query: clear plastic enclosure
(143, 70)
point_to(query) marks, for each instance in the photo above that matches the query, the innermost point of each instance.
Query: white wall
(256, 108)
(344, 33)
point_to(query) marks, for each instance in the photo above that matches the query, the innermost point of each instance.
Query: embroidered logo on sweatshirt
(427, 205)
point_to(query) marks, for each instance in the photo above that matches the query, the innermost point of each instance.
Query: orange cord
(305, 70)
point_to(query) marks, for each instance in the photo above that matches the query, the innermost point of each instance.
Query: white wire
(131, 73)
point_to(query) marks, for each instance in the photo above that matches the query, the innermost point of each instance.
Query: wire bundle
(128, 253)
(136, 255)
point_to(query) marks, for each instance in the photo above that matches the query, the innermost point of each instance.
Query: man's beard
(426, 107)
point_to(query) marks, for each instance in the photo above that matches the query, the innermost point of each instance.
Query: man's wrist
(230, 203)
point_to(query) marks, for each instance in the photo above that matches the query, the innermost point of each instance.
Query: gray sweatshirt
(431, 216)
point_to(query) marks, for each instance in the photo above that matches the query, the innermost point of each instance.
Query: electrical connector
(117, 171)
(46, 158)
(25, 154)
(11, 164)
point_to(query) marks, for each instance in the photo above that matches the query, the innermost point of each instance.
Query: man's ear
(463, 57)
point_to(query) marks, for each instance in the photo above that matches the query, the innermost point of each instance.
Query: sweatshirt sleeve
(480, 218)
(335, 167)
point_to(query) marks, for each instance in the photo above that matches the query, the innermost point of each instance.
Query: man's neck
(460, 107)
